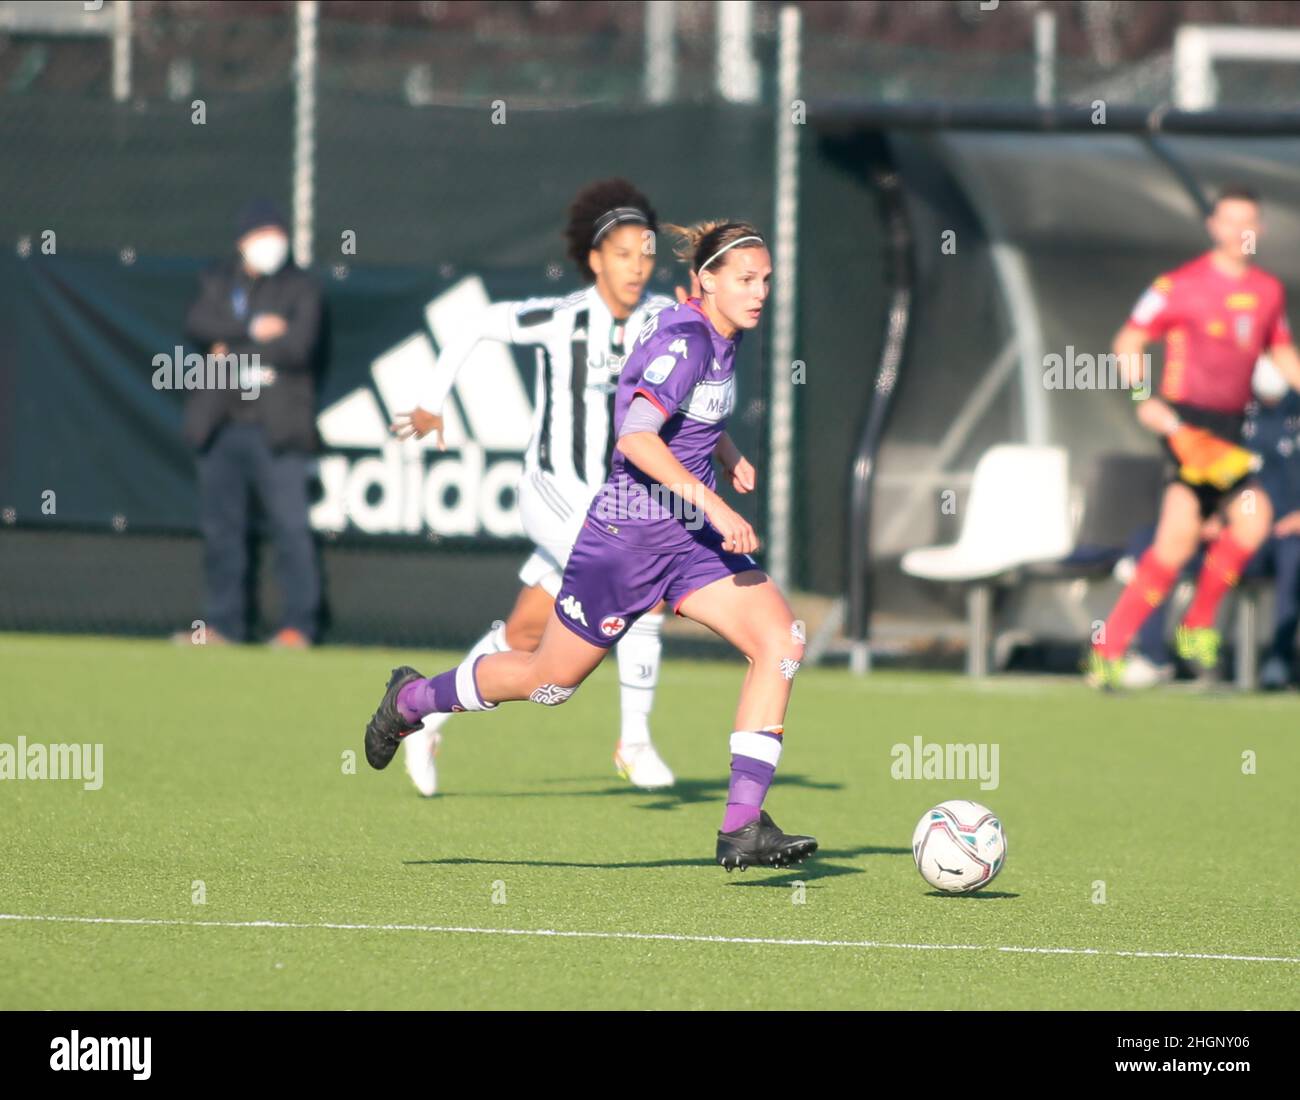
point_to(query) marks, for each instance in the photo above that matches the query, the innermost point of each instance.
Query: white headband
(720, 251)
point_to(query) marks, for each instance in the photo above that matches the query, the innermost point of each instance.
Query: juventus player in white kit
(580, 341)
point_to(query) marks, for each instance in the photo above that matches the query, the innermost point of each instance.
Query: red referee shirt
(1215, 328)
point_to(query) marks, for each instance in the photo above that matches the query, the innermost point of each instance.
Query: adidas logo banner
(373, 484)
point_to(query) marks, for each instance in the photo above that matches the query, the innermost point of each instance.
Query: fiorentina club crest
(611, 625)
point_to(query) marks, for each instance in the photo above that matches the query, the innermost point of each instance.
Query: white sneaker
(642, 766)
(1139, 672)
(421, 748)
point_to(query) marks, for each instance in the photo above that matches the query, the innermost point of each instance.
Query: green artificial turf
(232, 768)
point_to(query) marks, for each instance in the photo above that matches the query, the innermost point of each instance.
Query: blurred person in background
(257, 301)
(1151, 660)
(1218, 314)
(1272, 429)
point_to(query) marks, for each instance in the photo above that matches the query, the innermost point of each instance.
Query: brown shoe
(289, 638)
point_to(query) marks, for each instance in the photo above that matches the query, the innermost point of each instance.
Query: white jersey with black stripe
(580, 349)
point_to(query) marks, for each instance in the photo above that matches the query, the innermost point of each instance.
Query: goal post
(1198, 46)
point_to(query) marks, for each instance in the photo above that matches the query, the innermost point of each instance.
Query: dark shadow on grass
(811, 870)
(818, 867)
(685, 792)
(849, 853)
(981, 895)
(649, 864)
(807, 873)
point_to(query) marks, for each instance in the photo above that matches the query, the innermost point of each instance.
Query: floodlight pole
(304, 132)
(122, 51)
(660, 50)
(1044, 57)
(737, 70)
(780, 448)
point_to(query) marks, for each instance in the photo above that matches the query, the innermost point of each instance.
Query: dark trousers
(237, 466)
(1281, 557)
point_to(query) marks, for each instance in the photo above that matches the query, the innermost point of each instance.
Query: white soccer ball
(959, 846)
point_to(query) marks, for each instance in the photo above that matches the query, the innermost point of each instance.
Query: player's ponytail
(705, 244)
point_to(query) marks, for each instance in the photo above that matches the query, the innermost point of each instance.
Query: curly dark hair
(589, 204)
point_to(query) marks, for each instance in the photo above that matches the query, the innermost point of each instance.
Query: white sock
(494, 641)
(639, 652)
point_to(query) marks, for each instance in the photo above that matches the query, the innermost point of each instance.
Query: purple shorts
(607, 586)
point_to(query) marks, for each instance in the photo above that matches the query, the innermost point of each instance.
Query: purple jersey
(687, 369)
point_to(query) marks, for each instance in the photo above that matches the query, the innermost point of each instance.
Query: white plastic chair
(1018, 512)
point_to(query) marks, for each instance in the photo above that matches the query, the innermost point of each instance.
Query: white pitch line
(667, 936)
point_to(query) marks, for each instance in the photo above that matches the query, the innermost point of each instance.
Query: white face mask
(266, 252)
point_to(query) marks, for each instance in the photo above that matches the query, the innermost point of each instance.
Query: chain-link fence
(448, 138)
(140, 132)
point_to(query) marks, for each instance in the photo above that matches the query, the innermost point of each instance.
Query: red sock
(1224, 562)
(1145, 592)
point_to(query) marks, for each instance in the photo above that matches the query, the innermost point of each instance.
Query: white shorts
(552, 512)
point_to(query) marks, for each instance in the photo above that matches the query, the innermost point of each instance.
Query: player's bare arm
(1153, 414)
(493, 324)
(650, 454)
(736, 466)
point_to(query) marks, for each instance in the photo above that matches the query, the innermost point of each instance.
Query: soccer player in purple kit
(658, 530)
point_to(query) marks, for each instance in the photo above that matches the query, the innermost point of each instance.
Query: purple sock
(436, 695)
(750, 779)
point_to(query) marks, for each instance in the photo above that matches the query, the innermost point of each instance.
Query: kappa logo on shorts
(611, 625)
(573, 608)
